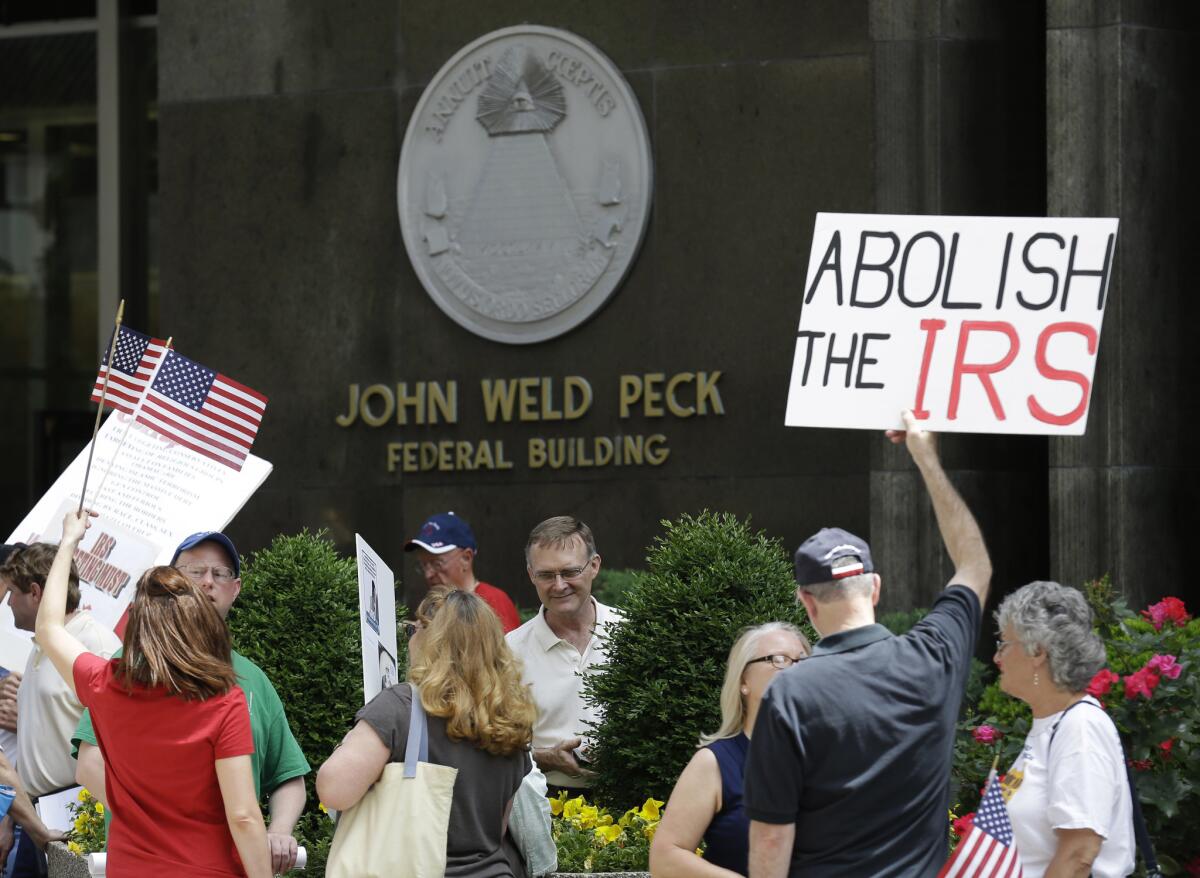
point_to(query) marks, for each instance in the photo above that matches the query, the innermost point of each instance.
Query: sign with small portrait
(377, 609)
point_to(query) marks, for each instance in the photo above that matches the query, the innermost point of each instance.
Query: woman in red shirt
(173, 726)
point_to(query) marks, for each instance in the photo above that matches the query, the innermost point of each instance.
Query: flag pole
(133, 417)
(112, 353)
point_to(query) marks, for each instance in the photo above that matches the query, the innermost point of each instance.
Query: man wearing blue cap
(445, 548)
(849, 765)
(211, 561)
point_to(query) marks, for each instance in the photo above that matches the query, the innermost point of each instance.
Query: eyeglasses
(197, 572)
(778, 662)
(438, 562)
(410, 628)
(568, 574)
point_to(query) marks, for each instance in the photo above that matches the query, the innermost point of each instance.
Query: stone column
(1123, 86)
(958, 109)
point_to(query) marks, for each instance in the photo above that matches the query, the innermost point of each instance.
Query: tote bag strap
(417, 748)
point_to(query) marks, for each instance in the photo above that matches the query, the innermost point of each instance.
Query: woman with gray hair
(707, 799)
(1068, 794)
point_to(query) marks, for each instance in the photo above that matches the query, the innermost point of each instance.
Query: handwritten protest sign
(156, 494)
(978, 324)
(377, 603)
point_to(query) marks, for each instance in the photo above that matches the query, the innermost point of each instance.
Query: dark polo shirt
(854, 745)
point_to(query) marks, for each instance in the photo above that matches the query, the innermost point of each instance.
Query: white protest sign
(977, 324)
(156, 494)
(377, 612)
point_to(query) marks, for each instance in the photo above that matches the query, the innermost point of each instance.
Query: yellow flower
(605, 819)
(572, 807)
(588, 817)
(321, 805)
(84, 795)
(627, 817)
(80, 822)
(100, 808)
(74, 848)
(649, 831)
(651, 810)
(556, 804)
(608, 833)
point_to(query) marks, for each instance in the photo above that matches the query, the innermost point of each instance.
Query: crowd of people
(830, 759)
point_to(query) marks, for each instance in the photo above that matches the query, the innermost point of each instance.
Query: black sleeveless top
(728, 836)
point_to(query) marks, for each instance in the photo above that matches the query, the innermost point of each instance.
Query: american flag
(132, 367)
(988, 850)
(203, 410)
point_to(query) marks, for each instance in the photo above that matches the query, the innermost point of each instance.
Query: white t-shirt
(1084, 787)
(554, 672)
(48, 712)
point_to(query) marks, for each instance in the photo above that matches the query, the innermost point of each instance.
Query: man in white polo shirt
(561, 644)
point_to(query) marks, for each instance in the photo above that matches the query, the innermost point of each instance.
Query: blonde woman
(480, 722)
(707, 800)
(172, 724)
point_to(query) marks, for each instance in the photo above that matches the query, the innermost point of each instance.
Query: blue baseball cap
(816, 555)
(210, 536)
(443, 533)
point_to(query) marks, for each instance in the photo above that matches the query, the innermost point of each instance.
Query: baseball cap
(815, 557)
(442, 533)
(206, 536)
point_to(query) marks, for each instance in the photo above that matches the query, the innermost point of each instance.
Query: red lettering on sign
(983, 370)
(1046, 417)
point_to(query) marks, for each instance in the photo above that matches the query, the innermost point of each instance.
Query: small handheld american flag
(132, 366)
(988, 849)
(203, 410)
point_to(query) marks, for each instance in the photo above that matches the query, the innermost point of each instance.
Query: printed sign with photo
(377, 606)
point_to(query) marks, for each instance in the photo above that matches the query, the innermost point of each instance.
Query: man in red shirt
(446, 549)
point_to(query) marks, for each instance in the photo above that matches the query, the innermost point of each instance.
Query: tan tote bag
(399, 827)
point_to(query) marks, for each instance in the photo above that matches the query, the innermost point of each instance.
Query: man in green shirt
(211, 561)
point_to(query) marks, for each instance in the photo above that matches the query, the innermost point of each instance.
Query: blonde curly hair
(467, 674)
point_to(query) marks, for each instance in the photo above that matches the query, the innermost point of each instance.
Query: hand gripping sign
(978, 324)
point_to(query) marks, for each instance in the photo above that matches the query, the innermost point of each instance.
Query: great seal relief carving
(525, 183)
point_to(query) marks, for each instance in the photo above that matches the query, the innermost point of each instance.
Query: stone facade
(281, 262)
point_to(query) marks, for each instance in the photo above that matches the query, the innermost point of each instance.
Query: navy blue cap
(816, 555)
(442, 533)
(210, 536)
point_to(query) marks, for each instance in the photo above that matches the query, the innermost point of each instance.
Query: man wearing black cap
(849, 764)
(211, 561)
(445, 548)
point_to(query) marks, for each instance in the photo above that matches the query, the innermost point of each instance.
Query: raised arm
(50, 628)
(960, 532)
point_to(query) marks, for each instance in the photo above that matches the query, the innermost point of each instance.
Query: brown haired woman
(480, 722)
(172, 724)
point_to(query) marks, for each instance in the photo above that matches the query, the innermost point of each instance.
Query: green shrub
(298, 619)
(709, 576)
(612, 586)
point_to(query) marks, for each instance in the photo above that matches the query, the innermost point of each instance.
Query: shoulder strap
(417, 748)
(1141, 833)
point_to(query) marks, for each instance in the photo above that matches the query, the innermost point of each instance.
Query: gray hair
(1057, 620)
(839, 589)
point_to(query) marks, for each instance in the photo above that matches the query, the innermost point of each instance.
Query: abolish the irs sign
(978, 324)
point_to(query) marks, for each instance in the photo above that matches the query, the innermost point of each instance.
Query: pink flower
(963, 824)
(1102, 682)
(1165, 666)
(1167, 610)
(1141, 764)
(1165, 748)
(1142, 683)
(985, 734)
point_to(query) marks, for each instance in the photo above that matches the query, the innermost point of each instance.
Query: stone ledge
(64, 864)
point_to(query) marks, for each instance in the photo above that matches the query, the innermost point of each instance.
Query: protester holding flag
(1068, 792)
(173, 726)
